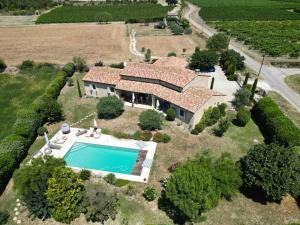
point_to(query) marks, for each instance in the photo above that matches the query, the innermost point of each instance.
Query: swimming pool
(101, 157)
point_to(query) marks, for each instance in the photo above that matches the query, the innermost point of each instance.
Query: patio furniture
(54, 146)
(90, 132)
(47, 151)
(65, 128)
(141, 144)
(97, 133)
(80, 132)
(60, 140)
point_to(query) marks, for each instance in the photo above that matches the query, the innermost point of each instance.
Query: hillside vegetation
(141, 12)
(266, 25)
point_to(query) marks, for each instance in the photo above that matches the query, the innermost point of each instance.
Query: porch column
(152, 101)
(132, 99)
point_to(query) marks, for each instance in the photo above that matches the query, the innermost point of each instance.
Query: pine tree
(246, 79)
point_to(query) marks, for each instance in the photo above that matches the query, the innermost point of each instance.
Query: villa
(161, 85)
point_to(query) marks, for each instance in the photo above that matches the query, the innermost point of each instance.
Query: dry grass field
(59, 43)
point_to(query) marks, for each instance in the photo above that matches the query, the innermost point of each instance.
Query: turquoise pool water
(101, 157)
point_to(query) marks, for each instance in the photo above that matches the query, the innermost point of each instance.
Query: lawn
(293, 82)
(270, 26)
(237, 141)
(88, 13)
(19, 91)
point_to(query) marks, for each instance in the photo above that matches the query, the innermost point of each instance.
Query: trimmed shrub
(7, 164)
(2, 65)
(146, 136)
(49, 109)
(28, 121)
(137, 135)
(150, 120)
(117, 65)
(15, 145)
(150, 193)
(57, 84)
(171, 54)
(84, 174)
(42, 130)
(242, 117)
(275, 126)
(222, 108)
(69, 68)
(27, 65)
(171, 114)
(109, 107)
(110, 178)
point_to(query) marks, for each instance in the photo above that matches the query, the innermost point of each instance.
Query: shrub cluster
(110, 178)
(221, 127)
(175, 27)
(109, 107)
(13, 149)
(210, 117)
(242, 117)
(275, 126)
(150, 193)
(160, 137)
(171, 114)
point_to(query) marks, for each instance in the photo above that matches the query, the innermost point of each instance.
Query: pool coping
(107, 140)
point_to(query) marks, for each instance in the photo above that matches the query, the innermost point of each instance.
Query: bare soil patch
(58, 43)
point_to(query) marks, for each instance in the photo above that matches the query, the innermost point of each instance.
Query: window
(94, 86)
(181, 112)
(112, 89)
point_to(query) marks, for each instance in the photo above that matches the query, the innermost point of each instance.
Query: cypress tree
(253, 89)
(246, 79)
(79, 90)
(212, 83)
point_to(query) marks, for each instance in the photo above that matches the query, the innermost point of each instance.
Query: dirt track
(60, 42)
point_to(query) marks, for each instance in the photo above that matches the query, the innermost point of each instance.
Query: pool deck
(147, 153)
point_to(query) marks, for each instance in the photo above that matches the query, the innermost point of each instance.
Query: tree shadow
(172, 211)
(254, 194)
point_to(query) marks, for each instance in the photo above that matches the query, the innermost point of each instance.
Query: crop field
(19, 91)
(59, 43)
(274, 37)
(271, 26)
(88, 13)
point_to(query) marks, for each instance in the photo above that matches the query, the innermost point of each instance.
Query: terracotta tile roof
(170, 74)
(191, 99)
(105, 75)
(172, 61)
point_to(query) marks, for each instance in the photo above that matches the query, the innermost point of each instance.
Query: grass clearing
(123, 12)
(19, 91)
(286, 107)
(293, 82)
(266, 25)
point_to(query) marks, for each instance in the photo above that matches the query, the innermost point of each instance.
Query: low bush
(27, 65)
(173, 167)
(109, 107)
(69, 68)
(137, 135)
(84, 174)
(171, 54)
(242, 117)
(175, 28)
(146, 136)
(27, 123)
(130, 191)
(117, 65)
(222, 107)
(110, 178)
(241, 98)
(159, 137)
(2, 65)
(42, 130)
(171, 114)
(275, 126)
(150, 193)
(221, 127)
(150, 120)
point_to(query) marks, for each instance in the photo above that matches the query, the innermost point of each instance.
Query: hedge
(69, 68)
(13, 148)
(275, 126)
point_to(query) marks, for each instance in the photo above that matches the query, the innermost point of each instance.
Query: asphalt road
(272, 76)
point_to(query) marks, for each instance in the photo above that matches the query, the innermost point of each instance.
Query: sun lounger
(81, 132)
(60, 140)
(90, 132)
(54, 146)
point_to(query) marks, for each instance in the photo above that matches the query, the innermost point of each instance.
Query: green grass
(293, 82)
(78, 14)
(18, 92)
(266, 25)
